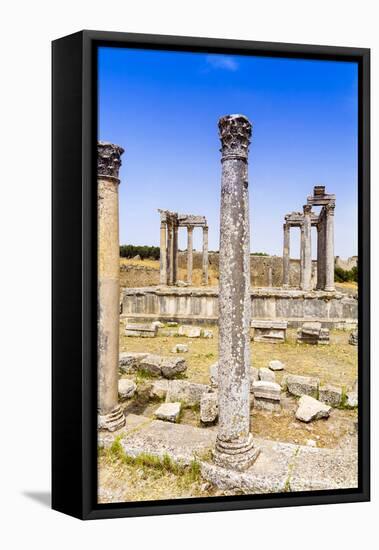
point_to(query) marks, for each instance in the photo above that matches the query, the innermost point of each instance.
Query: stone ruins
(170, 223)
(236, 459)
(325, 241)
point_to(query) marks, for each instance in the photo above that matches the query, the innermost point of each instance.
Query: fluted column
(286, 255)
(205, 255)
(110, 415)
(235, 448)
(189, 254)
(321, 253)
(307, 249)
(163, 256)
(329, 246)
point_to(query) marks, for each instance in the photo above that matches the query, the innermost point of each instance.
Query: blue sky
(163, 108)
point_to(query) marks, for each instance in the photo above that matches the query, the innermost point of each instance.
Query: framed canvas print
(210, 275)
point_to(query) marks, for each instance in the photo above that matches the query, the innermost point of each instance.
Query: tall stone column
(320, 253)
(189, 254)
(269, 276)
(307, 251)
(170, 256)
(205, 255)
(235, 447)
(110, 414)
(175, 254)
(329, 246)
(286, 255)
(163, 256)
(302, 242)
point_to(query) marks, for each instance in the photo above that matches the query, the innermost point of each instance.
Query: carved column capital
(235, 134)
(108, 159)
(329, 208)
(307, 209)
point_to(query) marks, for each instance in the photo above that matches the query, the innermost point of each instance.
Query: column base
(234, 455)
(112, 421)
(329, 289)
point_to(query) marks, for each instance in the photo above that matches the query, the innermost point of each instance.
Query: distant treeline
(130, 251)
(345, 275)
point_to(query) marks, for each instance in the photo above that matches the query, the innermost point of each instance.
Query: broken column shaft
(110, 415)
(235, 448)
(307, 250)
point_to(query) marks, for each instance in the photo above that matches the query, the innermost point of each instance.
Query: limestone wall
(201, 306)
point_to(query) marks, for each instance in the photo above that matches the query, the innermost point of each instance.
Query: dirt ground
(334, 364)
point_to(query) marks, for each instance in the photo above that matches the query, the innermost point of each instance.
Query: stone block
(207, 333)
(209, 408)
(129, 362)
(353, 338)
(189, 331)
(269, 331)
(188, 392)
(311, 409)
(171, 366)
(266, 375)
(157, 324)
(180, 348)
(331, 395)
(143, 331)
(168, 411)
(352, 399)
(151, 364)
(159, 389)
(126, 388)
(312, 333)
(276, 365)
(266, 390)
(302, 385)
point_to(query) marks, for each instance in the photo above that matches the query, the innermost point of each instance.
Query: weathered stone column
(307, 250)
(170, 254)
(320, 254)
(269, 275)
(163, 256)
(175, 254)
(286, 255)
(110, 414)
(189, 254)
(329, 246)
(301, 255)
(205, 255)
(235, 448)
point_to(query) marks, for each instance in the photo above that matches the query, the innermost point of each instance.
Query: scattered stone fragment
(312, 333)
(157, 324)
(352, 399)
(126, 388)
(331, 395)
(151, 364)
(168, 411)
(353, 338)
(269, 331)
(266, 395)
(159, 389)
(207, 333)
(190, 331)
(276, 365)
(311, 409)
(187, 392)
(143, 331)
(180, 348)
(266, 375)
(171, 366)
(208, 408)
(311, 443)
(130, 361)
(302, 385)
(137, 257)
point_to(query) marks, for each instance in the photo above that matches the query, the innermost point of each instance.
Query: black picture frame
(74, 363)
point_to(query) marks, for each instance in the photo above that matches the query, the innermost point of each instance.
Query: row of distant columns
(325, 249)
(169, 253)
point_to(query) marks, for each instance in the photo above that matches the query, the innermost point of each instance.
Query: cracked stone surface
(311, 409)
(168, 411)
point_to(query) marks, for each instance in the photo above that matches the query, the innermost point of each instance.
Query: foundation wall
(197, 305)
